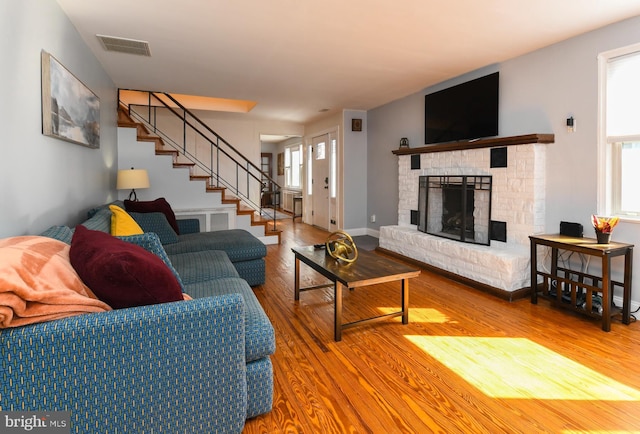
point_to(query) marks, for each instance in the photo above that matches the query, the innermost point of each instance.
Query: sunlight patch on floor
(599, 432)
(521, 369)
(420, 314)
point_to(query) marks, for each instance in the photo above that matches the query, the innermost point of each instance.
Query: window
(309, 170)
(293, 166)
(334, 167)
(619, 144)
(320, 152)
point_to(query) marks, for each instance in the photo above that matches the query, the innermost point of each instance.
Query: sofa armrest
(188, 226)
(175, 367)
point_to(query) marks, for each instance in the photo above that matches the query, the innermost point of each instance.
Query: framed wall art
(281, 164)
(70, 110)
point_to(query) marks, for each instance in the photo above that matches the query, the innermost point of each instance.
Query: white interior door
(320, 182)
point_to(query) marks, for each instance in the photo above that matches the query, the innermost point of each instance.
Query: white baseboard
(363, 231)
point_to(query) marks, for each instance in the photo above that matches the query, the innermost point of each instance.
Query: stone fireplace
(516, 205)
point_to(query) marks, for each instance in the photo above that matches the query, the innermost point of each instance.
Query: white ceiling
(296, 57)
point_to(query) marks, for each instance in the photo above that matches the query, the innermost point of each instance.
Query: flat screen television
(466, 111)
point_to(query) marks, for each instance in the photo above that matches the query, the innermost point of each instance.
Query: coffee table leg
(297, 279)
(405, 301)
(337, 333)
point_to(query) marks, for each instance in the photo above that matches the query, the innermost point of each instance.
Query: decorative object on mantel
(603, 227)
(341, 247)
(404, 143)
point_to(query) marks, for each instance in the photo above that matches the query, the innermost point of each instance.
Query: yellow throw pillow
(122, 224)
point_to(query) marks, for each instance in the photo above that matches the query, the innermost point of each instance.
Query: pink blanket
(38, 283)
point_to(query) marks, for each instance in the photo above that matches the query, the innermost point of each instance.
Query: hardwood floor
(467, 362)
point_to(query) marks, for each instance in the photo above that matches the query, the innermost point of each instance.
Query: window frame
(609, 149)
(288, 169)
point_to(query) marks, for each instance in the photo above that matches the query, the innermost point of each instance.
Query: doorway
(266, 164)
(322, 176)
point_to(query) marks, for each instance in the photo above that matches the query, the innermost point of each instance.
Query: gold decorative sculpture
(341, 246)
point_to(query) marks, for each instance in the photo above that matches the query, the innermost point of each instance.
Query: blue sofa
(190, 366)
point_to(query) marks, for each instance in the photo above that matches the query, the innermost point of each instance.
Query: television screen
(464, 112)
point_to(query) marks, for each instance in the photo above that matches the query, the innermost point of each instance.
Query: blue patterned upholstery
(239, 244)
(173, 367)
(252, 271)
(100, 221)
(259, 387)
(156, 222)
(60, 233)
(188, 226)
(243, 249)
(203, 266)
(260, 337)
(93, 211)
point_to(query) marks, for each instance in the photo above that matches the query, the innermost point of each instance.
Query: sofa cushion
(94, 211)
(60, 233)
(156, 222)
(239, 244)
(122, 223)
(121, 274)
(151, 243)
(260, 339)
(158, 205)
(38, 283)
(99, 221)
(203, 266)
(254, 271)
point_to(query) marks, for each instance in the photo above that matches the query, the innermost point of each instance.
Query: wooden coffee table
(369, 269)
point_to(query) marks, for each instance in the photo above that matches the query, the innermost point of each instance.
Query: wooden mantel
(476, 144)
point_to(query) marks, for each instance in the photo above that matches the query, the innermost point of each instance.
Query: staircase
(244, 215)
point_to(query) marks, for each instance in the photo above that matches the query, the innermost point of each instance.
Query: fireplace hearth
(456, 207)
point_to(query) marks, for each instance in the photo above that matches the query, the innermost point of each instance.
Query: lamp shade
(132, 178)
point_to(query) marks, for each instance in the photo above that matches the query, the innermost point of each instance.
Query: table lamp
(132, 178)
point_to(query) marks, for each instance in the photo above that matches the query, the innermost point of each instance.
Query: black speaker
(571, 229)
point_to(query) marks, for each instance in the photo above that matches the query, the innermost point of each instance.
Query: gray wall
(386, 126)
(354, 169)
(46, 181)
(538, 91)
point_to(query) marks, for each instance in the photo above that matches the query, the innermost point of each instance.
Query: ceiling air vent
(124, 45)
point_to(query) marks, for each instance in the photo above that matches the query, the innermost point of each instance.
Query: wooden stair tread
(127, 124)
(149, 139)
(166, 152)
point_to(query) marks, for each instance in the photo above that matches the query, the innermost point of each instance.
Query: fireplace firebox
(456, 207)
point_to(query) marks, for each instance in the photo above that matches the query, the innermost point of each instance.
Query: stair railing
(183, 131)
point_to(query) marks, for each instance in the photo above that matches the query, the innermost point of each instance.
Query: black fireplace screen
(456, 207)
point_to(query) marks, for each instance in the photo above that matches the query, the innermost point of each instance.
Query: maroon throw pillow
(119, 273)
(158, 205)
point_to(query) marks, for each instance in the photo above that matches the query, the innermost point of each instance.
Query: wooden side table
(575, 288)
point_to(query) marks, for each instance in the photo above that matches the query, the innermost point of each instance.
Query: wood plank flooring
(467, 362)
